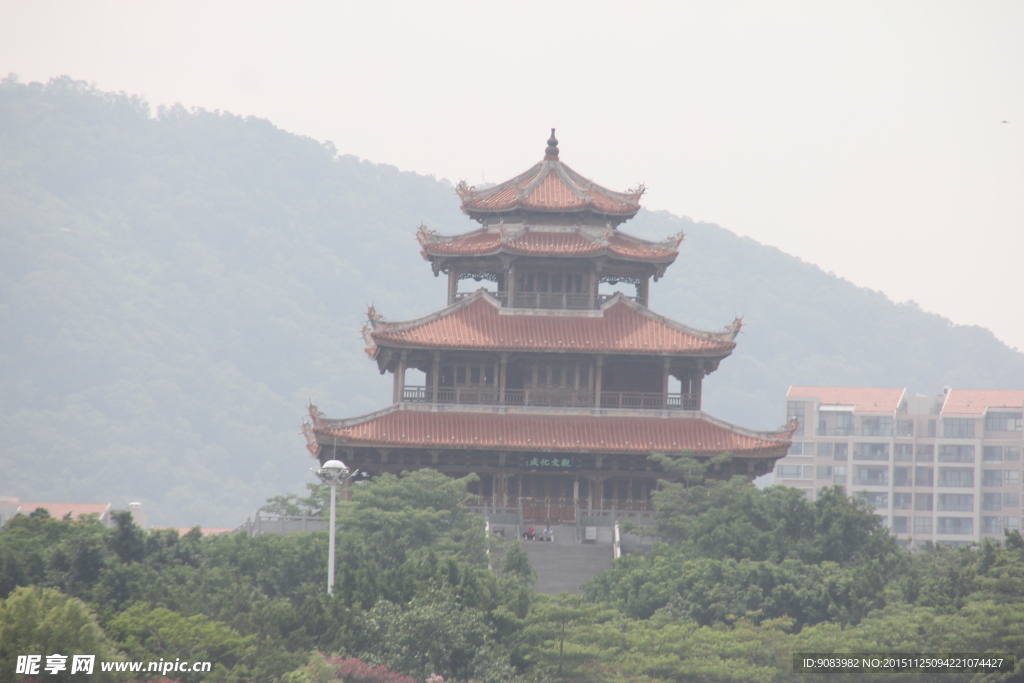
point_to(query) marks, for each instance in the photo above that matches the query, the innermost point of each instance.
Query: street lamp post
(334, 474)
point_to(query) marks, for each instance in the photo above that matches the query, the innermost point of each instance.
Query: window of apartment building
(925, 452)
(840, 451)
(924, 476)
(954, 453)
(824, 448)
(839, 474)
(900, 525)
(902, 501)
(1012, 523)
(1004, 422)
(1011, 476)
(788, 471)
(955, 525)
(824, 472)
(901, 476)
(991, 477)
(1011, 453)
(922, 525)
(991, 525)
(871, 451)
(992, 502)
(923, 502)
(876, 426)
(835, 424)
(795, 410)
(992, 454)
(959, 477)
(958, 428)
(877, 499)
(904, 452)
(931, 427)
(1011, 500)
(956, 502)
(905, 428)
(796, 448)
(871, 476)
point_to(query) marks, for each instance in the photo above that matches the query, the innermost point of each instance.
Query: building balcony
(834, 431)
(547, 300)
(554, 398)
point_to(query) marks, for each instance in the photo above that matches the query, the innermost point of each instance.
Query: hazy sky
(867, 138)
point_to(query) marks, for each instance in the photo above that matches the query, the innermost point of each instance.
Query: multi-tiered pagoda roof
(555, 358)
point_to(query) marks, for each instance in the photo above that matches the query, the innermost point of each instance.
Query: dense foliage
(176, 285)
(416, 601)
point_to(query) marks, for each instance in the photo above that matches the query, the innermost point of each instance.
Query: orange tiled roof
(549, 186)
(579, 242)
(61, 510)
(863, 400)
(204, 530)
(396, 427)
(976, 401)
(479, 322)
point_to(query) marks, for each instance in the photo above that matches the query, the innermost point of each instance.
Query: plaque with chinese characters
(564, 462)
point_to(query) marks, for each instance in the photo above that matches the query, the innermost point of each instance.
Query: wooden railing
(549, 300)
(554, 398)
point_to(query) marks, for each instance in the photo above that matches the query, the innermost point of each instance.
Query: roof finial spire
(551, 153)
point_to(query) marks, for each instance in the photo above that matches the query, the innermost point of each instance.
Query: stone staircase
(566, 564)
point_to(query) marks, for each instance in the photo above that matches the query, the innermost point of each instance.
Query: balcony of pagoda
(548, 300)
(548, 398)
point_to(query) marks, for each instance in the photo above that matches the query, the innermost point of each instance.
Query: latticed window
(876, 426)
(924, 476)
(956, 453)
(877, 499)
(871, 451)
(1004, 422)
(992, 454)
(902, 501)
(958, 428)
(900, 525)
(959, 477)
(955, 525)
(956, 502)
(992, 501)
(991, 477)
(925, 452)
(922, 525)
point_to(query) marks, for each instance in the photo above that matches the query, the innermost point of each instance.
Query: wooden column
(644, 291)
(664, 382)
(698, 377)
(453, 285)
(395, 389)
(598, 378)
(502, 371)
(598, 493)
(510, 286)
(402, 364)
(435, 378)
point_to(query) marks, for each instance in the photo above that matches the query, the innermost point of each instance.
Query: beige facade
(944, 468)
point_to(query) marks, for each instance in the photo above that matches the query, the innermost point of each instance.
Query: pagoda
(554, 392)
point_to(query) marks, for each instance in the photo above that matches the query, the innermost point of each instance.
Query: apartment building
(943, 468)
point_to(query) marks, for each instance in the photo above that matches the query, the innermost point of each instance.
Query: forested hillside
(176, 285)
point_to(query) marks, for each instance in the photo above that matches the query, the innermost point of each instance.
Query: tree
(43, 621)
(146, 634)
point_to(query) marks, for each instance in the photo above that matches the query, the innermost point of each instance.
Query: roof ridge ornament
(551, 151)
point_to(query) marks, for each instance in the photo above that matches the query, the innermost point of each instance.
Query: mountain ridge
(176, 285)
